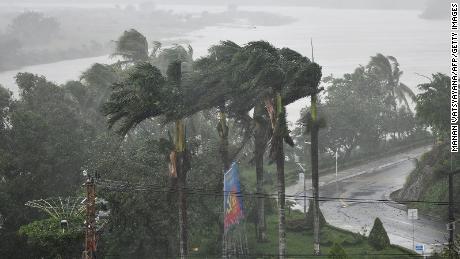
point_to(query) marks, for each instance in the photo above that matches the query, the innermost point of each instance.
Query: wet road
(375, 181)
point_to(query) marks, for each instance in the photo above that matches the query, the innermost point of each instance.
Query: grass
(300, 243)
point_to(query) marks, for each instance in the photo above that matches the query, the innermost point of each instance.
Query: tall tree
(44, 143)
(179, 162)
(314, 130)
(314, 173)
(433, 104)
(385, 69)
(277, 77)
(260, 143)
(33, 28)
(255, 74)
(144, 94)
(132, 46)
(162, 57)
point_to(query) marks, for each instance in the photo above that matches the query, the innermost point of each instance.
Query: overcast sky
(397, 4)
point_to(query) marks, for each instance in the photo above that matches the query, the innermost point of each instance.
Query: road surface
(375, 181)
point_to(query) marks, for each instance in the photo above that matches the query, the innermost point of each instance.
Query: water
(342, 39)
(58, 72)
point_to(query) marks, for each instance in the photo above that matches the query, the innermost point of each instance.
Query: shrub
(296, 225)
(378, 237)
(337, 252)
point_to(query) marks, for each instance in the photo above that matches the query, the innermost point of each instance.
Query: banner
(233, 202)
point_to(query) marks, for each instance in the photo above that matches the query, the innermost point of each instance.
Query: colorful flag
(233, 201)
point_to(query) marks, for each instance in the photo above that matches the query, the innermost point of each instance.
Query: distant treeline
(29, 40)
(35, 38)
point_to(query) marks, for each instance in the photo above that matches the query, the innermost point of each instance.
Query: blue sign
(419, 248)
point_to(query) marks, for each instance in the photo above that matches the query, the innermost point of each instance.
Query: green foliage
(5, 103)
(386, 69)
(132, 46)
(429, 180)
(378, 237)
(365, 110)
(162, 58)
(300, 243)
(43, 149)
(51, 132)
(33, 28)
(337, 252)
(433, 104)
(143, 94)
(48, 237)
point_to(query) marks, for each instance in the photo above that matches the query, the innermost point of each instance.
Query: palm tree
(386, 69)
(236, 79)
(162, 57)
(260, 143)
(276, 77)
(315, 173)
(215, 80)
(132, 46)
(212, 77)
(145, 94)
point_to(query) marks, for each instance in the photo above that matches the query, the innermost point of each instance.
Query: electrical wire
(121, 186)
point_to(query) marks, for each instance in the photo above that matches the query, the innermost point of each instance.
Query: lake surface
(342, 39)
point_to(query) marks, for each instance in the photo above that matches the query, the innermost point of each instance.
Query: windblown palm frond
(386, 68)
(132, 46)
(161, 58)
(144, 93)
(402, 91)
(302, 76)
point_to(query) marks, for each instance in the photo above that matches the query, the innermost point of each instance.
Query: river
(342, 40)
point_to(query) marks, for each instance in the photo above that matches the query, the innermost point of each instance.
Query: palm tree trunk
(279, 151)
(183, 225)
(222, 130)
(315, 175)
(276, 110)
(181, 186)
(259, 140)
(223, 134)
(281, 198)
(172, 238)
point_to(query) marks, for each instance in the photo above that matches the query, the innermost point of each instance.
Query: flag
(233, 202)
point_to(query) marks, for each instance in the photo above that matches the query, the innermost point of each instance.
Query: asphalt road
(375, 181)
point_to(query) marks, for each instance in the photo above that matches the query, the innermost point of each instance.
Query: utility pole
(451, 213)
(336, 172)
(90, 222)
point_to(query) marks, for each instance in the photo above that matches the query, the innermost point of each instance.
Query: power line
(127, 186)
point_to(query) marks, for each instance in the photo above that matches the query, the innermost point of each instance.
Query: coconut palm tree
(212, 77)
(276, 78)
(271, 75)
(238, 79)
(386, 68)
(162, 57)
(314, 173)
(132, 46)
(145, 93)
